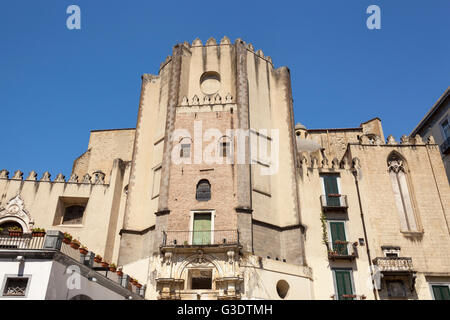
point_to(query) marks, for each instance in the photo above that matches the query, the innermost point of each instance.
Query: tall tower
(213, 187)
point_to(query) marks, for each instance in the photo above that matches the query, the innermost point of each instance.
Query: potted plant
(138, 285)
(133, 281)
(15, 232)
(112, 267)
(38, 232)
(75, 244)
(105, 264)
(83, 250)
(98, 258)
(120, 272)
(67, 239)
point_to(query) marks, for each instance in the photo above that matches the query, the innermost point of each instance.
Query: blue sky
(58, 84)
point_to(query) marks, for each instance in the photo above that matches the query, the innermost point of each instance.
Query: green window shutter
(344, 284)
(331, 187)
(338, 234)
(202, 229)
(441, 292)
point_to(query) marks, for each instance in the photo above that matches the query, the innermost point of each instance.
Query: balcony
(204, 238)
(342, 250)
(334, 202)
(24, 242)
(394, 265)
(445, 146)
(50, 245)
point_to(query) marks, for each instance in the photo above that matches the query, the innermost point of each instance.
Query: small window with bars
(15, 287)
(203, 192)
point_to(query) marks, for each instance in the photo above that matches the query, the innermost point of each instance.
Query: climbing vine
(324, 228)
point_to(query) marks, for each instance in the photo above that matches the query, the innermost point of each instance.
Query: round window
(282, 289)
(210, 82)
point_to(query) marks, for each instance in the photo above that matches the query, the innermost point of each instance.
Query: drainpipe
(355, 174)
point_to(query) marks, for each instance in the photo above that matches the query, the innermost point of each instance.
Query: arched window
(10, 224)
(203, 192)
(402, 192)
(73, 215)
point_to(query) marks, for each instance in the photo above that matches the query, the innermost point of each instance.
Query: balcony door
(331, 188)
(344, 284)
(201, 229)
(337, 230)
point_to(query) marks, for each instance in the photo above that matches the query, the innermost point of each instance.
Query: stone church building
(217, 194)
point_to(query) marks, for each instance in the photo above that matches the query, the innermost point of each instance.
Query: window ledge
(412, 233)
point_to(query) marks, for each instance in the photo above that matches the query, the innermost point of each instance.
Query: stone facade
(264, 223)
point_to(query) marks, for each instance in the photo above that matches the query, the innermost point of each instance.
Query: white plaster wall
(39, 271)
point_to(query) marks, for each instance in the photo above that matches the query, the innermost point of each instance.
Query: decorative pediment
(15, 210)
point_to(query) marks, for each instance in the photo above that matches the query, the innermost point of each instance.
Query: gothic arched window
(402, 192)
(203, 192)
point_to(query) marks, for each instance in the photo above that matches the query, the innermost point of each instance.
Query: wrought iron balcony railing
(200, 238)
(343, 250)
(394, 264)
(24, 241)
(334, 201)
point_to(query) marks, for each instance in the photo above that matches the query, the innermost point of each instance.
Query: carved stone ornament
(230, 255)
(15, 208)
(200, 258)
(168, 258)
(395, 164)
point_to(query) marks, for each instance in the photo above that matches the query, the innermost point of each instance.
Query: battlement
(98, 177)
(211, 42)
(314, 159)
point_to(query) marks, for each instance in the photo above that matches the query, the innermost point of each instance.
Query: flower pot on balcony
(67, 239)
(39, 234)
(120, 273)
(75, 244)
(105, 264)
(112, 269)
(138, 285)
(83, 251)
(98, 259)
(15, 232)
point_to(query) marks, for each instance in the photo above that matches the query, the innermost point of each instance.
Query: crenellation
(60, 178)
(197, 43)
(4, 174)
(18, 175)
(32, 176)
(73, 178)
(46, 177)
(225, 41)
(391, 140)
(211, 42)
